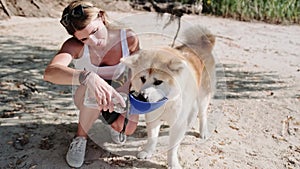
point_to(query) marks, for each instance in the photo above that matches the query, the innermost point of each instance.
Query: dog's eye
(143, 79)
(157, 82)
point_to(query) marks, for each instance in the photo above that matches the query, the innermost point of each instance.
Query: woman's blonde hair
(78, 14)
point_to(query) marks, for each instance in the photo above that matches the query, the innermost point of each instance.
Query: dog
(184, 74)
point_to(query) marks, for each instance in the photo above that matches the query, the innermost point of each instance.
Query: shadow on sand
(234, 83)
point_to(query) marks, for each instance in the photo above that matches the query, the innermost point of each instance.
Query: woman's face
(94, 34)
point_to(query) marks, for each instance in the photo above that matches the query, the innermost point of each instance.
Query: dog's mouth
(138, 96)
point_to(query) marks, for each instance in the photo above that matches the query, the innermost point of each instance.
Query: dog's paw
(204, 134)
(175, 166)
(144, 155)
(173, 162)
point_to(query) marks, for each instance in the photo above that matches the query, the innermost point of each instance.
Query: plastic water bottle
(117, 106)
(90, 99)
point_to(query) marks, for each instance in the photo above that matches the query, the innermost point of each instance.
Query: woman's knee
(79, 96)
(130, 127)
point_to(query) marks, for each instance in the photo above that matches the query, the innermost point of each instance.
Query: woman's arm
(57, 71)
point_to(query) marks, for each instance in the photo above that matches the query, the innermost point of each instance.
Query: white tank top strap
(125, 53)
(86, 52)
(125, 48)
(84, 60)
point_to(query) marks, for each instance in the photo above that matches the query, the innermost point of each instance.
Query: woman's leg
(131, 125)
(87, 116)
(76, 152)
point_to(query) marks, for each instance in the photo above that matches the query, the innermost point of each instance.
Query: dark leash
(122, 133)
(110, 117)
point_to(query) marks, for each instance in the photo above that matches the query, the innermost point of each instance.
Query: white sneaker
(76, 152)
(115, 136)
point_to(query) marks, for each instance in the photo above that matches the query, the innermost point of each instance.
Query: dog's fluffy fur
(186, 76)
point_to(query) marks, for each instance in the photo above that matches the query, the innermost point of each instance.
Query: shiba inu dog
(186, 76)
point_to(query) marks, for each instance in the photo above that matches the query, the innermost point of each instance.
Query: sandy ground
(256, 126)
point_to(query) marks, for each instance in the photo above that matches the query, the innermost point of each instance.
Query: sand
(254, 117)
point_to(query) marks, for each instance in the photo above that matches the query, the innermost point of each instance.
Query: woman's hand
(103, 92)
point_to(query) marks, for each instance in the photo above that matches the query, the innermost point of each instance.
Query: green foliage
(272, 11)
(188, 1)
(180, 1)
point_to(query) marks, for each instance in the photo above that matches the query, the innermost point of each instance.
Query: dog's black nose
(141, 98)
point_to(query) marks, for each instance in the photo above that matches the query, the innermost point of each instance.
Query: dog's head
(153, 72)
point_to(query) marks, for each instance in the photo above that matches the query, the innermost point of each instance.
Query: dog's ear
(131, 61)
(176, 65)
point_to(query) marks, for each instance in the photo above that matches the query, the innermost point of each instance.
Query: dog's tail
(202, 41)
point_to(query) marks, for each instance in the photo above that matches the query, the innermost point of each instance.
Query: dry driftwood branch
(5, 9)
(35, 4)
(175, 11)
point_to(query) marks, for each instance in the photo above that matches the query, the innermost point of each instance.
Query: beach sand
(255, 118)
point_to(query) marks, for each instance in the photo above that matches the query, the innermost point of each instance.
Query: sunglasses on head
(77, 12)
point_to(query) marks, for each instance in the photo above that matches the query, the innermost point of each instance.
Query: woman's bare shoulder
(72, 46)
(133, 40)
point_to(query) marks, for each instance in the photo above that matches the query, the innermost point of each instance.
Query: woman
(95, 49)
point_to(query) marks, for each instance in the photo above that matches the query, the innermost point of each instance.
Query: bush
(271, 11)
